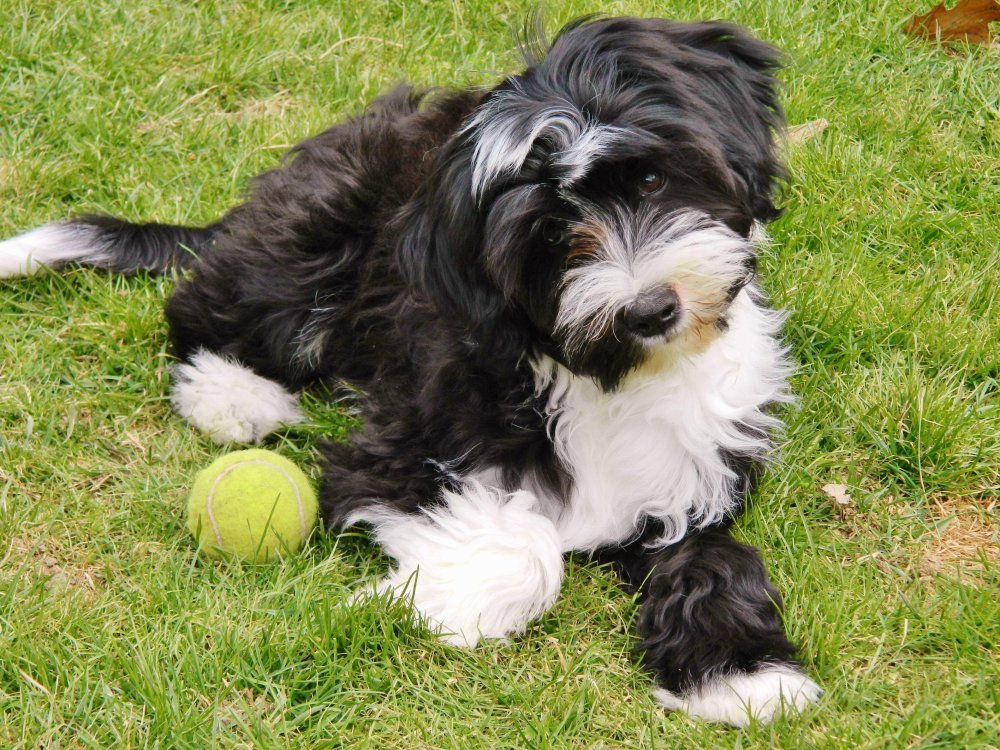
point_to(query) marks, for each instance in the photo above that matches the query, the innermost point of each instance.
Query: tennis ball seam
(253, 462)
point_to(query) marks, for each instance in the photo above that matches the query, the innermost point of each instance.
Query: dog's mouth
(654, 341)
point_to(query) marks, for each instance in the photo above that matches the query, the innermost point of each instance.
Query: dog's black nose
(654, 313)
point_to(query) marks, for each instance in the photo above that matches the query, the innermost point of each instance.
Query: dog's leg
(711, 629)
(482, 564)
(230, 402)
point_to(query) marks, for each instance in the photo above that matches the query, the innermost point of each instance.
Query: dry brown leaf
(843, 504)
(807, 130)
(838, 493)
(969, 21)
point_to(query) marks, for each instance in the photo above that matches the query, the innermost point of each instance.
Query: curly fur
(543, 296)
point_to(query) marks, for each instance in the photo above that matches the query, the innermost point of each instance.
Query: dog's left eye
(650, 182)
(552, 232)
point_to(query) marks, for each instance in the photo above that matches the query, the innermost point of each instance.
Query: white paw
(483, 565)
(230, 402)
(736, 699)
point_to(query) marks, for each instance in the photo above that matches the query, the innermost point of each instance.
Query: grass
(113, 633)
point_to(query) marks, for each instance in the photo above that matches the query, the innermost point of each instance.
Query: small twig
(190, 100)
(357, 39)
(164, 119)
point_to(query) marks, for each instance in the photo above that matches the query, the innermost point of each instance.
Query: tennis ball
(251, 504)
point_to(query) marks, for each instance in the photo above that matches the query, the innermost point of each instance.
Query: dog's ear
(749, 89)
(440, 246)
(736, 76)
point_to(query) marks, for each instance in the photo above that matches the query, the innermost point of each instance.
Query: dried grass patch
(968, 537)
(44, 557)
(274, 106)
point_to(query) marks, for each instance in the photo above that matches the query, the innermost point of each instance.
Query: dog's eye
(650, 182)
(552, 232)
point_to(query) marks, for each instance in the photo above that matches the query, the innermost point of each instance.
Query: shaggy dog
(544, 296)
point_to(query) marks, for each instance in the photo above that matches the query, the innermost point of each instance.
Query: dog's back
(270, 284)
(293, 296)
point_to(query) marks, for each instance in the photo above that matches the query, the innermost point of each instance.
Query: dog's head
(599, 206)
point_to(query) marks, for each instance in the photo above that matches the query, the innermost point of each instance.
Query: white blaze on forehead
(505, 135)
(595, 141)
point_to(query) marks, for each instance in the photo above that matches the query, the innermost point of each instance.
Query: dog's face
(601, 202)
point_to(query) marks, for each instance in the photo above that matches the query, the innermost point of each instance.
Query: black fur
(707, 607)
(147, 247)
(318, 234)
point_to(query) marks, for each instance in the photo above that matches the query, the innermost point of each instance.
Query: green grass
(113, 633)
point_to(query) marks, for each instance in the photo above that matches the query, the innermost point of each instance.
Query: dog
(544, 298)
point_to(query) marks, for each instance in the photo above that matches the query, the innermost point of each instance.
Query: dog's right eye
(651, 182)
(552, 232)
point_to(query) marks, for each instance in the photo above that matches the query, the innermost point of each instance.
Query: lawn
(114, 634)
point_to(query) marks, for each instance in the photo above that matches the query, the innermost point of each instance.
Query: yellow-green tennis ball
(251, 504)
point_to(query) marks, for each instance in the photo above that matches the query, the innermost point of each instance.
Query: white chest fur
(654, 447)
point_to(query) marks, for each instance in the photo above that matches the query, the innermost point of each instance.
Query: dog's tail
(105, 242)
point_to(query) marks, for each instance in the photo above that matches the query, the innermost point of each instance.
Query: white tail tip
(50, 245)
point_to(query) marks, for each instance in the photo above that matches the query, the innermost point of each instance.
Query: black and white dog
(544, 294)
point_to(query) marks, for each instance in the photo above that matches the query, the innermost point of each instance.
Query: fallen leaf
(969, 21)
(838, 492)
(807, 130)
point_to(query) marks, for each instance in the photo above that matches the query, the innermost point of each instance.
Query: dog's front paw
(482, 565)
(230, 402)
(737, 698)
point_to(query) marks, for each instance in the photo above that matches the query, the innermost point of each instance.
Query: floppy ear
(440, 245)
(743, 86)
